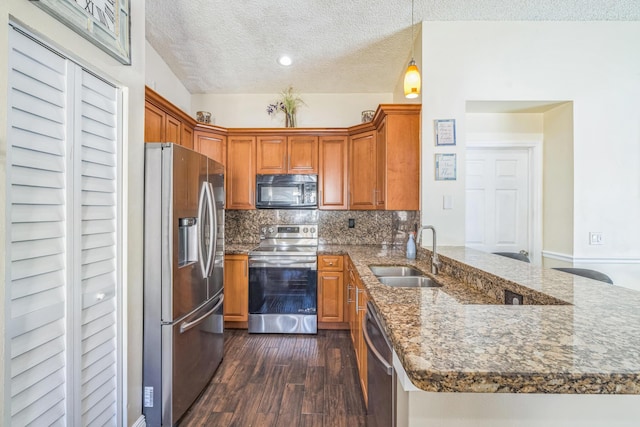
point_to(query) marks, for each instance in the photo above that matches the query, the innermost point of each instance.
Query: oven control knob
(305, 230)
(313, 230)
(270, 229)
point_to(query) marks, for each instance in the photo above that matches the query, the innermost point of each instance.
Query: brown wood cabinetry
(362, 171)
(241, 172)
(287, 154)
(371, 166)
(211, 145)
(356, 308)
(236, 288)
(384, 164)
(330, 289)
(401, 130)
(332, 172)
(164, 122)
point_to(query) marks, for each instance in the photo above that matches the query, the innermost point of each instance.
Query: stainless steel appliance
(183, 279)
(287, 191)
(381, 377)
(283, 280)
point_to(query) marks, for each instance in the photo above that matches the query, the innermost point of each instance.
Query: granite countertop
(238, 248)
(576, 336)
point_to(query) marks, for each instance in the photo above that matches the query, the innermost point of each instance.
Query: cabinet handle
(349, 289)
(358, 292)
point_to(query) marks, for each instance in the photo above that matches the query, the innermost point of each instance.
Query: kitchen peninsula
(571, 358)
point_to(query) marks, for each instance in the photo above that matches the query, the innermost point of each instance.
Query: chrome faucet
(435, 262)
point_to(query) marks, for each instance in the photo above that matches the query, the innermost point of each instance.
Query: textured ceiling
(224, 46)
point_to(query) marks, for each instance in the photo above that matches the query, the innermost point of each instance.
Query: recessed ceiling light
(284, 60)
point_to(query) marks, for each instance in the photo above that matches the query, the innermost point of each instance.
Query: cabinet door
(330, 296)
(381, 166)
(271, 154)
(241, 172)
(362, 346)
(330, 263)
(186, 139)
(302, 153)
(211, 145)
(403, 162)
(362, 171)
(154, 123)
(351, 301)
(172, 131)
(236, 288)
(332, 175)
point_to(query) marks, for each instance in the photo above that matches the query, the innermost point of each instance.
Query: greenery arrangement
(288, 103)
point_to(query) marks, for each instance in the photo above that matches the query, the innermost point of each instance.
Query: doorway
(502, 212)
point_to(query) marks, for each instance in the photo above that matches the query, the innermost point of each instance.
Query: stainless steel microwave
(286, 191)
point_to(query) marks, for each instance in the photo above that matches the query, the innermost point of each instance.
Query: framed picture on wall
(445, 132)
(103, 22)
(445, 167)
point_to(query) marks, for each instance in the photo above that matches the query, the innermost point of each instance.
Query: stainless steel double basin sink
(402, 277)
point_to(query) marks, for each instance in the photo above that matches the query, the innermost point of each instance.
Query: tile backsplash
(371, 227)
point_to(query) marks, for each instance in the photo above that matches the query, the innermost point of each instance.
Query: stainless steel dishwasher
(381, 377)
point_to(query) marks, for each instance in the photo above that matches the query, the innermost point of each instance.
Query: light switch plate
(447, 202)
(596, 238)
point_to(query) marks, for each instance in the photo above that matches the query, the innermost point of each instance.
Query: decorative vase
(289, 119)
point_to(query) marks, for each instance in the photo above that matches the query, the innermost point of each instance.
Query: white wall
(321, 110)
(594, 64)
(558, 178)
(159, 77)
(132, 77)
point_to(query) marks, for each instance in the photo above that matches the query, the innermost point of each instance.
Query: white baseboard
(588, 260)
(140, 422)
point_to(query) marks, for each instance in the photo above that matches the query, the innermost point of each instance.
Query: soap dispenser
(411, 246)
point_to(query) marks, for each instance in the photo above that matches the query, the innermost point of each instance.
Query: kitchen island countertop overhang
(578, 336)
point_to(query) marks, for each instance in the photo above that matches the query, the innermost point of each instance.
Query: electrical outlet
(352, 223)
(512, 298)
(596, 238)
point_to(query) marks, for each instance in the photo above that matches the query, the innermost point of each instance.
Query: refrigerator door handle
(205, 202)
(213, 241)
(188, 325)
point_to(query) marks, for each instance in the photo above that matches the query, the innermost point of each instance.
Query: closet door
(63, 270)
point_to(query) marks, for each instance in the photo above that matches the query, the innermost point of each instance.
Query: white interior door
(498, 199)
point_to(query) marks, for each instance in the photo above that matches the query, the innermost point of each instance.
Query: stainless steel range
(283, 280)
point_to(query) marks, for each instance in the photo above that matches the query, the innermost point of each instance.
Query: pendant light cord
(413, 53)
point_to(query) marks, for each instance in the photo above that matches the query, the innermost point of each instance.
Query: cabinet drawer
(330, 262)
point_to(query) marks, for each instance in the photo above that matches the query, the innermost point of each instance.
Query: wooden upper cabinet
(154, 123)
(241, 172)
(381, 167)
(362, 171)
(302, 153)
(271, 154)
(332, 173)
(279, 154)
(402, 162)
(187, 136)
(172, 132)
(211, 145)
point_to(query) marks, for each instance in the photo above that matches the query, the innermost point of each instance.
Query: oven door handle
(278, 263)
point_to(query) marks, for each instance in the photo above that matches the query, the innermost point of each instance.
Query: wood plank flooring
(270, 380)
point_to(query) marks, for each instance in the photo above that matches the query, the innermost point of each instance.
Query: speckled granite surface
(459, 338)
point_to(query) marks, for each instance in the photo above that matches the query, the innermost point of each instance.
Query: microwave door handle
(213, 241)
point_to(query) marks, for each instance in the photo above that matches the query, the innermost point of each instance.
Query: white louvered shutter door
(63, 279)
(38, 276)
(96, 169)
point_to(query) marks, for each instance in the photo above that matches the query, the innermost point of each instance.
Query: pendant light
(412, 75)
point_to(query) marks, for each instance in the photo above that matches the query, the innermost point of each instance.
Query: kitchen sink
(394, 271)
(409, 282)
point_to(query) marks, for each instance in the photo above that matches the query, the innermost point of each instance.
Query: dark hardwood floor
(270, 380)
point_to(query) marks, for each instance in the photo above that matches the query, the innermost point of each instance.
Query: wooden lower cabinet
(330, 292)
(356, 302)
(236, 288)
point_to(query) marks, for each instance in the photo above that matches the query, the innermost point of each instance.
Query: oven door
(283, 295)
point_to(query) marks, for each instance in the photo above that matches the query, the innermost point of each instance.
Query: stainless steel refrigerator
(183, 279)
